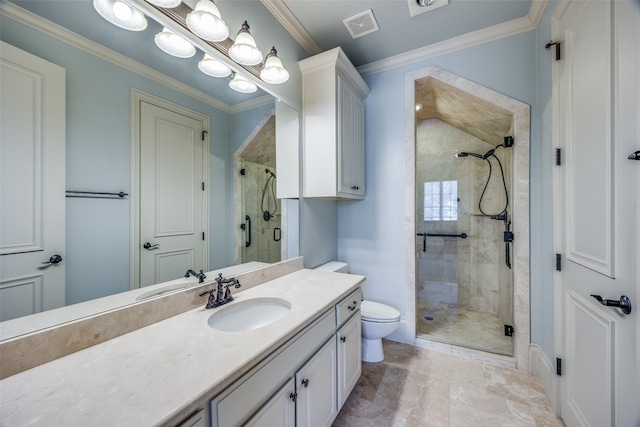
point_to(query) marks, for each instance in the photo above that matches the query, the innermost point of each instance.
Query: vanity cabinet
(333, 94)
(305, 382)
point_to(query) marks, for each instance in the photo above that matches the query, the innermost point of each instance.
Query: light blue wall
(97, 155)
(371, 235)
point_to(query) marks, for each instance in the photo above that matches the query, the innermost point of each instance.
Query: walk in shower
(463, 221)
(260, 232)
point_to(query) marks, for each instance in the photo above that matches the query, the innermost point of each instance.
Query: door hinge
(204, 134)
(558, 262)
(558, 366)
(558, 156)
(509, 331)
(203, 186)
(203, 235)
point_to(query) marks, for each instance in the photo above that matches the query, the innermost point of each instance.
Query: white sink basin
(250, 314)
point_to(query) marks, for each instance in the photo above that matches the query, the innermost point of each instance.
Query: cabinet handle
(352, 307)
(305, 382)
(355, 187)
(293, 396)
(343, 339)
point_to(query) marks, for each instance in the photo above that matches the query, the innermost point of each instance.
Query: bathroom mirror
(97, 133)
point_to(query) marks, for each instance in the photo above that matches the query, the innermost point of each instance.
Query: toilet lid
(377, 312)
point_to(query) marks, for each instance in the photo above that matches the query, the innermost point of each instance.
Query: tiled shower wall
(467, 272)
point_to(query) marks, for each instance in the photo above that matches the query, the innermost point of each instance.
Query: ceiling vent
(361, 24)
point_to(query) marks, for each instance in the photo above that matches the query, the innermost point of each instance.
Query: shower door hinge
(558, 156)
(204, 134)
(558, 262)
(507, 141)
(558, 366)
(509, 331)
(508, 236)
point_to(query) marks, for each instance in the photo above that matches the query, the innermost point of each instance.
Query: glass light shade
(173, 44)
(240, 84)
(121, 14)
(165, 3)
(213, 67)
(244, 50)
(205, 22)
(273, 71)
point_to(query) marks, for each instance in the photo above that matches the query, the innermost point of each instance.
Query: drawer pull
(352, 307)
(343, 339)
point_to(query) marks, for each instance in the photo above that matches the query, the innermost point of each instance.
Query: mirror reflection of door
(173, 192)
(32, 179)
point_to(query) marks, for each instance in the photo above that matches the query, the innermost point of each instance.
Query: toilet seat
(376, 312)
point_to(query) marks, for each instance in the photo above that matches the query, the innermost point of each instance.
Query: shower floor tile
(462, 326)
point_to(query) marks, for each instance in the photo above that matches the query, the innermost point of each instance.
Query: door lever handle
(149, 246)
(624, 303)
(55, 259)
(634, 156)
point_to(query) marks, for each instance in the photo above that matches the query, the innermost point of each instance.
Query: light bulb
(213, 67)
(121, 14)
(165, 3)
(205, 22)
(240, 84)
(122, 10)
(174, 45)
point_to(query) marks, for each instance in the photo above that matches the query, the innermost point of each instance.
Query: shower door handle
(247, 243)
(424, 241)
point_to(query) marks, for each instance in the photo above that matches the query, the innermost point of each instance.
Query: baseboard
(541, 367)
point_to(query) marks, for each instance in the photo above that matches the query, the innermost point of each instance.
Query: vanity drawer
(348, 306)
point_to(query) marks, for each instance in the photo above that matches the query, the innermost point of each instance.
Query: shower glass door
(464, 284)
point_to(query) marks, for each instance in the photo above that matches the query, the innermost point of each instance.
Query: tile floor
(463, 326)
(416, 387)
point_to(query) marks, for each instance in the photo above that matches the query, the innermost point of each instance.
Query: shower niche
(467, 149)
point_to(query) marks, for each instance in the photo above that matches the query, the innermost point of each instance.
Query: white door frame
(519, 201)
(135, 98)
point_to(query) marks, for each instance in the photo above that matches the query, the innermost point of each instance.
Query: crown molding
(489, 34)
(49, 28)
(251, 103)
(289, 21)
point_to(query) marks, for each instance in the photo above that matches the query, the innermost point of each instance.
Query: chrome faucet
(222, 291)
(201, 276)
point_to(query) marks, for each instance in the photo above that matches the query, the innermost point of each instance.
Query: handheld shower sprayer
(272, 174)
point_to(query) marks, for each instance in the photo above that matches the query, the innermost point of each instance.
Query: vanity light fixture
(121, 14)
(173, 44)
(240, 84)
(244, 50)
(165, 3)
(212, 67)
(205, 22)
(273, 71)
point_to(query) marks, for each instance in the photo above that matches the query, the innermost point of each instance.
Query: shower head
(272, 174)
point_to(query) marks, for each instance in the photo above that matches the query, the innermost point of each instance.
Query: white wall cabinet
(333, 96)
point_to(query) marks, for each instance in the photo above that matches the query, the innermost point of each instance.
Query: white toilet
(378, 320)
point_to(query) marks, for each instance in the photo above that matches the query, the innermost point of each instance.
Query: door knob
(54, 259)
(624, 303)
(149, 246)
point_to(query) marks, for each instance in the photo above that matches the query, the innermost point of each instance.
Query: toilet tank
(335, 266)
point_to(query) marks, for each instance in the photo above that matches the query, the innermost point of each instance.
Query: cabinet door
(349, 357)
(196, 420)
(279, 410)
(316, 386)
(350, 141)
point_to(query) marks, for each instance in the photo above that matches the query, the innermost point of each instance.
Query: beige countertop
(161, 373)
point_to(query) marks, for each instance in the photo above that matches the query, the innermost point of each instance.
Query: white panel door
(32, 180)
(597, 127)
(172, 194)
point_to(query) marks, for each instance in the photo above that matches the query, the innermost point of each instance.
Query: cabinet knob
(355, 187)
(343, 339)
(293, 396)
(305, 382)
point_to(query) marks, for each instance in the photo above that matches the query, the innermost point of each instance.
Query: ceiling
(316, 25)
(399, 32)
